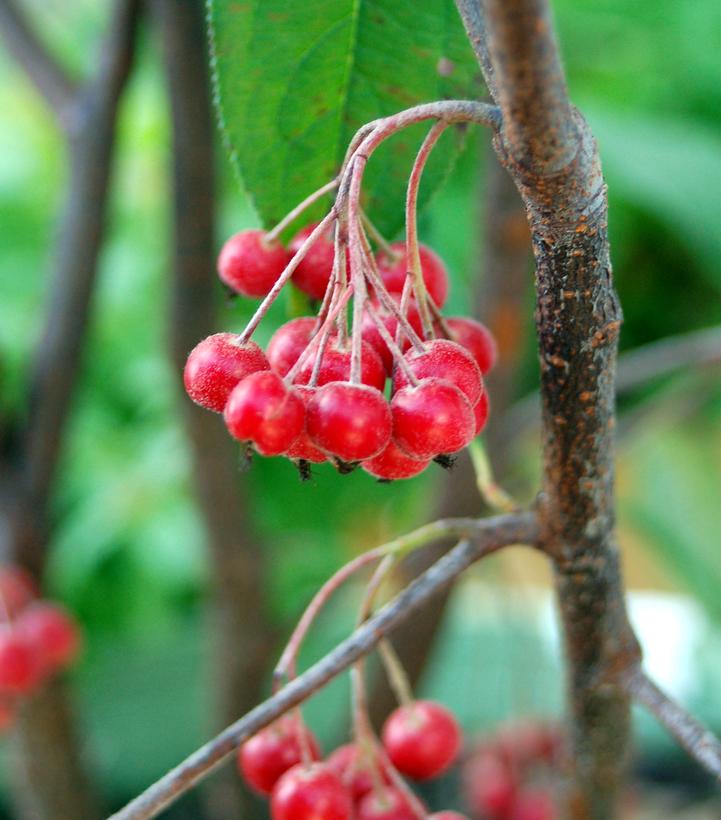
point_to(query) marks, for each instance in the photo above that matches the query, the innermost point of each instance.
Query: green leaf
(294, 81)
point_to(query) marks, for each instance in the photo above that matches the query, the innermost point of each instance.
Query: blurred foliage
(128, 553)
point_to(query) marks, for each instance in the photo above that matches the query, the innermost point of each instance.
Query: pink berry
(447, 815)
(388, 804)
(53, 632)
(432, 418)
(354, 770)
(264, 410)
(422, 739)
(443, 359)
(489, 786)
(269, 754)
(314, 270)
(435, 275)
(392, 463)
(481, 410)
(288, 343)
(476, 338)
(250, 265)
(372, 335)
(336, 365)
(21, 669)
(17, 589)
(303, 449)
(216, 365)
(533, 804)
(312, 792)
(350, 421)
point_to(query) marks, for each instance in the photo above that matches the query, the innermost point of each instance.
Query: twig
(475, 25)
(490, 535)
(703, 746)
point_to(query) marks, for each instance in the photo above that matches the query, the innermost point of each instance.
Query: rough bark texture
(242, 638)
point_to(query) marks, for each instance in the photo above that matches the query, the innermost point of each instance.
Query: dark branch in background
(242, 637)
(703, 746)
(484, 537)
(48, 76)
(52, 782)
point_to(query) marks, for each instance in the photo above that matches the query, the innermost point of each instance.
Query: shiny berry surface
(476, 338)
(443, 359)
(314, 270)
(435, 274)
(481, 410)
(288, 342)
(250, 265)
(392, 464)
(336, 364)
(312, 792)
(216, 365)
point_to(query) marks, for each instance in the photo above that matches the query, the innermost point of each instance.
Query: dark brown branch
(242, 636)
(46, 74)
(697, 740)
(490, 535)
(475, 25)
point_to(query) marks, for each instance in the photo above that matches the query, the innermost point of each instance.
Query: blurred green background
(128, 555)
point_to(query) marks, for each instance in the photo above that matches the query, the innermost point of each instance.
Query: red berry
(288, 342)
(533, 804)
(476, 338)
(435, 275)
(303, 448)
(443, 359)
(269, 754)
(432, 418)
(350, 421)
(21, 669)
(526, 742)
(251, 265)
(264, 410)
(335, 367)
(53, 632)
(310, 793)
(17, 590)
(481, 410)
(422, 739)
(216, 365)
(392, 463)
(314, 270)
(354, 770)
(372, 335)
(447, 815)
(489, 786)
(389, 804)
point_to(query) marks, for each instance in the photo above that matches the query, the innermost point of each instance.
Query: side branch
(490, 535)
(703, 746)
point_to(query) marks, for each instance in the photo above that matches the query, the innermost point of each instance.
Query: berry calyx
(447, 360)
(312, 792)
(216, 365)
(476, 338)
(315, 268)
(435, 274)
(422, 739)
(431, 418)
(386, 804)
(288, 343)
(250, 264)
(263, 410)
(392, 464)
(266, 756)
(21, 669)
(349, 421)
(53, 633)
(335, 367)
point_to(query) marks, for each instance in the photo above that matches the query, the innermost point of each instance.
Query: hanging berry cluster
(37, 639)
(394, 388)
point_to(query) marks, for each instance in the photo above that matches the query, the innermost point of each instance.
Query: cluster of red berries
(420, 741)
(510, 776)
(301, 398)
(37, 639)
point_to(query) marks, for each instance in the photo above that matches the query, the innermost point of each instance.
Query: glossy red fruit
(53, 632)
(310, 793)
(481, 410)
(350, 421)
(443, 359)
(314, 271)
(422, 739)
(288, 342)
(533, 804)
(435, 274)
(476, 338)
(269, 754)
(303, 449)
(216, 365)
(489, 786)
(432, 418)
(17, 589)
(250, 265)
(372, 335)
(20, 667)
(336, 364)
(392, 464)
(388, 804)
(262, 409)
(348, 763)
